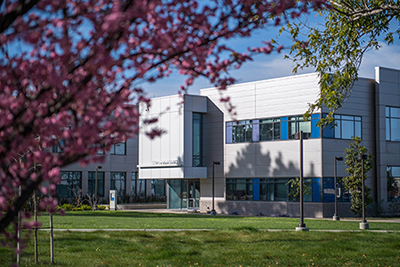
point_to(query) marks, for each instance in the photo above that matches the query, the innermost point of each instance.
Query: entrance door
(194, 194)
(183, 194)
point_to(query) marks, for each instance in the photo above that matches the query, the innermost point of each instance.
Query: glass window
(118, 149)
(158, 187)
(393, 183)
(239, 131)
(118, 182)
(197, 138)
(345, 127)
(270, 129)
(92, 183)
(297, 124)
(138, 186)
(71, 184)
(239, 189)
(392, 124)
(329, 190)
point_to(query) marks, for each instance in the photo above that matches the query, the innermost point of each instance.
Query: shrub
(86, 207)
(101, 207)
(66, 207)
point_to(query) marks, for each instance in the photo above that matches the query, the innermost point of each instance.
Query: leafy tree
(353, 182)
(70, 74)
(335, 48)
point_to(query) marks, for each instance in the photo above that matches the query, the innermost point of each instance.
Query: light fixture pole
(213, 212)
(302, 225)
(363, 225)
(95, 189)
(336, 215)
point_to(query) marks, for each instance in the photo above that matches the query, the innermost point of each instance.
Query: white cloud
(386, 56)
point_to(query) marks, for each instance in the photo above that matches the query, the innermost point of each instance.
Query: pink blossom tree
(70, 71)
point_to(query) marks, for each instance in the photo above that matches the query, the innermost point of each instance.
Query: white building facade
(254, 153)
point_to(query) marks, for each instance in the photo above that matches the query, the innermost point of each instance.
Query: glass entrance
(183, 194)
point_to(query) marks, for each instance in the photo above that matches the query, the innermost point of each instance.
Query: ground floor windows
(183, 194)
(393, 183)
(342, 194)
(278, 189)
(158, 187)
(71, 184)
(92, 183)
(118, 182)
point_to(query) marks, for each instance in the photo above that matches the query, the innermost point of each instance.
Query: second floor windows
(392, 124)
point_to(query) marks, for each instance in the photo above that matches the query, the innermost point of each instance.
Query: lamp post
(95, 189)
(302, 226)
(363, 224)
(213, 212)
(336, 215)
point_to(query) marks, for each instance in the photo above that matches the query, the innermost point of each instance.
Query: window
(239, 189)
(329, 191)
(393, 183)
(138, 186)
(197, 140)
(270, 189)
(92, 183)
(392, 124)
(297, 124)
(158, 187)
(118, 149)
(345, 127)
(239, 131)
(118, 182)
(270, 129)
(71, 184)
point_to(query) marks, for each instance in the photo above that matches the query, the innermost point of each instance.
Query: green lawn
(235, 241)
(215, 248)
(142, 220)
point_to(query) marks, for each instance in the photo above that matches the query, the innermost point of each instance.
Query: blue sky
(273, 65)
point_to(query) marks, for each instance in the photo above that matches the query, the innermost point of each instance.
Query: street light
(363, 224)
(95, 189)
(302, 226)
(213, 212)
(336, 215)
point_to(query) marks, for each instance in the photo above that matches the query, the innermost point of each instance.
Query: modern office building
(209, 157)
(243, 162)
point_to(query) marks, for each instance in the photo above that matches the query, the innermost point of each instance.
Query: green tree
(336, 47)
(353, 182)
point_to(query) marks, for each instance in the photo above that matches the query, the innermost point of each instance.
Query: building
(254, 154)
(244, 162)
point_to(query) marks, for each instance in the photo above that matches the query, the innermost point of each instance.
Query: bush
(86, 207)
(66, 207)
(100, 207)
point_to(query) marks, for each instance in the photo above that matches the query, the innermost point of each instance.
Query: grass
(142, 220)
(215, 248)
(235, 241)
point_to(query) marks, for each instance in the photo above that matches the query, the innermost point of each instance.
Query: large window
(270, 129)
(239, 189)
(71, 184)
(158, 187)
(393, 183)
(392, 124)
(197, 138)
(297, 124)
(118, 182)
(241, 131)
(138, 186)
(329, 191)
(92, 183)
(345, 127)
(118, 149)
(270, 189)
